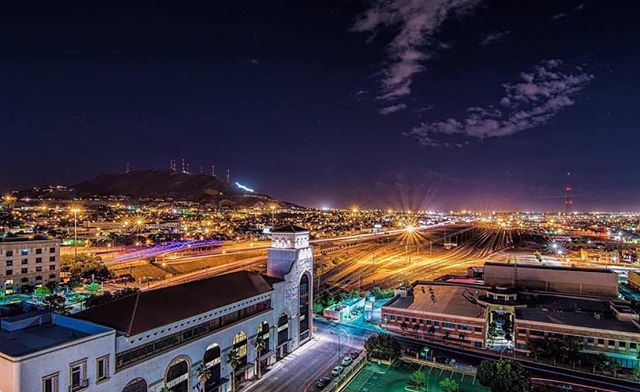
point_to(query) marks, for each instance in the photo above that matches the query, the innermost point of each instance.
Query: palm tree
(233, 360)
(204, 374)
(259, 344)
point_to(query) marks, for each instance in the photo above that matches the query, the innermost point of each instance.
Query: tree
(166, 389)
(318, 308)
(233, 360)
(419, 380)
(203, 373)
(383, 346)
(41, 292)
(56, 302)
(492, 333)
(449, 385)
(259, 344)
(504, 375)
(84, 267)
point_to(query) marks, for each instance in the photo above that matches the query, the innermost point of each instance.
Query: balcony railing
(84, 384)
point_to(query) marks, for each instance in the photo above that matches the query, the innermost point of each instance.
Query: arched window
(240, 345)
(177, 378)
(263, 330)
(137, 385)
(212, 361)
(283, 329)
(304, 307)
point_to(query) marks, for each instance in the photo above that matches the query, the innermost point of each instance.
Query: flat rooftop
(451, 300)
(32, 332)
(576, 319)
(548, 267)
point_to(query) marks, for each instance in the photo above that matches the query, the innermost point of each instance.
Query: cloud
(392, 109)
(494, 37)
(254, 61)
(417, 22)
(529, 103)
(558, 16)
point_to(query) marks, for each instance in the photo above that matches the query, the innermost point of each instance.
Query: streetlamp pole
(75, 233)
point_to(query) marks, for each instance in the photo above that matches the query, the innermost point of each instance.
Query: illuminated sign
(244, 188)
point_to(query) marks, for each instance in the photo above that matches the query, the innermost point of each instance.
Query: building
(586, 281)
(26, 263)
(437, 312)
(160, 338)
(634, 279)
(483, 317)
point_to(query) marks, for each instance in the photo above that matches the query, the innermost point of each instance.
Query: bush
(504, 375)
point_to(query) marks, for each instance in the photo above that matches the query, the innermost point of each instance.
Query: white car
(347, 361)
(337, 371)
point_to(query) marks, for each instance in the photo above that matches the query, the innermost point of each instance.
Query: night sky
(433, 104)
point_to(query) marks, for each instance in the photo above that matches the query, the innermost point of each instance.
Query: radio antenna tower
(213, 170)
(568, 198)
(128, 168)
(229, 176)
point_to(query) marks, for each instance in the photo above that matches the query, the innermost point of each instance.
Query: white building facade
(165, 337)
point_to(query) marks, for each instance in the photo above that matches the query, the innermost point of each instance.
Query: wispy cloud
(558, 16)
(392, 109)
(494, 37)
(417, 22)
(529, 103)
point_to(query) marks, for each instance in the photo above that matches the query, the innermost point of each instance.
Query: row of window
(421, 323)
(589, 341)
(135, 355)
(9, 272)
(25, 252)
(52, 259)
(78, 379)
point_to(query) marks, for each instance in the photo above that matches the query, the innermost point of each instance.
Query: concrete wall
(567, 280)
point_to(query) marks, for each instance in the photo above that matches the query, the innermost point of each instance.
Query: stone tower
(291, 259)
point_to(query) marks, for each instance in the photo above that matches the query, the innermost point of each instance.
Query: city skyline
(439, 105)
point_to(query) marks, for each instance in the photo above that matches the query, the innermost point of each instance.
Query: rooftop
(577, 319)
(290, 229)
(33, 332)
(452, 300)
(151, 309)
(549, 267)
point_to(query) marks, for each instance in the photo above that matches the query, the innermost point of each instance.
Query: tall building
(159, 338)
(28, 263)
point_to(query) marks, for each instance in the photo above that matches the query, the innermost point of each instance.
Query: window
(52, 258)
(448, 325)
(24, 270)
(479, 329)
(24, 261)
(633, 346)
(77, 373)
(622, 344)
(477, 344)
(38, 259)
(102, 368)
(52, 250)
(612, 343)
(590, 341)
(39, 251)
(9, 263)
(9, 253)
(38, 277)
(24, 252)
(52, 276)
(9, 272)
(50, 383)
(52, 268)
(600, 341)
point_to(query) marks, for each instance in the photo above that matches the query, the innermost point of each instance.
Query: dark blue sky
(504, 98)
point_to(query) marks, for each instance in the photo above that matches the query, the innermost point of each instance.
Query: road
(300, 370)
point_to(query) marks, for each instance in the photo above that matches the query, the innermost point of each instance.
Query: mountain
(161, 184)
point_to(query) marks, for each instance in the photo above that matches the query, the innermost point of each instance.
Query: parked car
(322, 383)
(346, 361)
(354, 354)
(337, 371)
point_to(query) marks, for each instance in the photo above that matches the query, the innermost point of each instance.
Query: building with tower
(165, 337)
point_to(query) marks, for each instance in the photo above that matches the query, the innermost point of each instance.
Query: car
(322, 383)
(337, 371)
(346, 361)
(354, 354)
